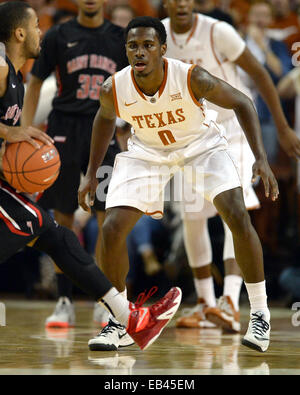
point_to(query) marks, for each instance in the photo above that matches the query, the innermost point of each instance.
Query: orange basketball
(29, 169)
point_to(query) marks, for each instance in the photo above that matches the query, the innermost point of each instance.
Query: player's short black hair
(148, 21)
(13, 14)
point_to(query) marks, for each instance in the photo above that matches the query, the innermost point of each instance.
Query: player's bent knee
(238, 221)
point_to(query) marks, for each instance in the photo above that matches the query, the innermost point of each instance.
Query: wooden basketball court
(26, 347)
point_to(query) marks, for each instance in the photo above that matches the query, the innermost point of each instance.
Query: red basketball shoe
(146, 323)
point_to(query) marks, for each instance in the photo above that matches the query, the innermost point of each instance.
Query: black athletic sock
(63, 247)
(64, 286)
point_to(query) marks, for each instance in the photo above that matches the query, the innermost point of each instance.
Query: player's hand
(88, 185)
(261, 168)
(289, 142)
(20, 133)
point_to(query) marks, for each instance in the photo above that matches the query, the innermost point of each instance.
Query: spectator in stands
(121, 15)
(275, 57)
(286, 24)
(140, 7)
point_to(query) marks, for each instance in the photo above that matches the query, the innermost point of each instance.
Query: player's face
(90, 8)
(180, 11)
(33, 36)
(144, 50)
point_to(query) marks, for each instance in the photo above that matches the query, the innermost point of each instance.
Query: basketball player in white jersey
(217, 47)
(164, 100)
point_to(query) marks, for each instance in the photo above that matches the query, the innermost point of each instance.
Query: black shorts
(21, 221)
(72, 136)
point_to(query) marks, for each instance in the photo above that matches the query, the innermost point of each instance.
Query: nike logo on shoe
(143, 319)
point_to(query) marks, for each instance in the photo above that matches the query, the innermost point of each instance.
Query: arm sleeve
(46, 62)
(227, 41)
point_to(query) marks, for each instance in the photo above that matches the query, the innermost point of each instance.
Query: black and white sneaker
(258, 334)
(112, 336)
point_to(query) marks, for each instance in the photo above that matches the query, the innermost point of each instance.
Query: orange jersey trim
(115, 96)
(190, 87)
(162, 87)
(195, 23)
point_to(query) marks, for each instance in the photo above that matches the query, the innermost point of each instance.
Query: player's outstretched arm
(264, 84)
(206, 86)
(103, 130)
(31, 100)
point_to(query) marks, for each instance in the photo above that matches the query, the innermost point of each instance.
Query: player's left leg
(226, 314)
(136, 187)
(248, 252)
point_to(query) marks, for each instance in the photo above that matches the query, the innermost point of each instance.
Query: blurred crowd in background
(156, 251)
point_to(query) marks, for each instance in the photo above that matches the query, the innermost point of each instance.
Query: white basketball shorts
(200, 172)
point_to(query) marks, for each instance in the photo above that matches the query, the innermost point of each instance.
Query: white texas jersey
(170, 119)
(213, 45)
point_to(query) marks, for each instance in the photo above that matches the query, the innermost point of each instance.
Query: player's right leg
(136, 187)
(227, 314)
(23, 222)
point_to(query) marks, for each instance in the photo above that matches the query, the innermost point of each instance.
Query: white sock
(124, 293)
(116, 304)
(232, 288)
(111, 317)
(258, 298)
(205, 289)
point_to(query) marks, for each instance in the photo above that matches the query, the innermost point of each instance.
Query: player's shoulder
(53, 32)
(106, 91)
(123, 72)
